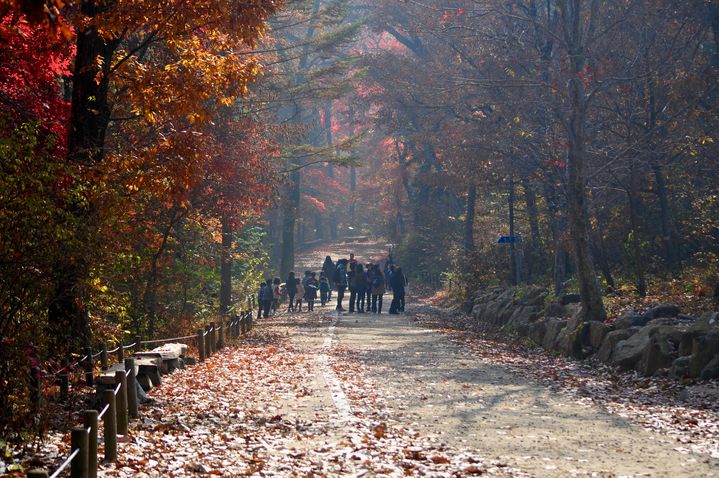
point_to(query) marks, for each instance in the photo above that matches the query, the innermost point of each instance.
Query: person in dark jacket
(397, 281)
(291, 288)
(352, 284)
(369, 273)
(328, 267)
(261, 299)
(361, 284)
(378, 286)
(340, 280)
(267, 298)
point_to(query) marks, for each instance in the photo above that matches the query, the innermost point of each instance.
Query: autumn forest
(160, 159)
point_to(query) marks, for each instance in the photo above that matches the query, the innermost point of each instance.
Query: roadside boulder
(522, 317)
(533, 295)
(630, 319)
(680, 368)
(597, 332)
(565, 299)
(704, 349)
(555, 309)
(537, 330)
(606, 350)
(661, 311)
(553, 327)
(570, 338)
(711, 370)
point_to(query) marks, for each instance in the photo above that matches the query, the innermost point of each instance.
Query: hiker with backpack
(311, 291)
(328, 267)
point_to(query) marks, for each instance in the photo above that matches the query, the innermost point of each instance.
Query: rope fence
(121, 401)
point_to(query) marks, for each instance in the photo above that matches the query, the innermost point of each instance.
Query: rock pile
(657, 341)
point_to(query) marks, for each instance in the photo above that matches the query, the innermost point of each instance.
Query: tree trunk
(469, 220)
(538, 262)
(89, 118)
(514, 274)
(668, 233)
(592, 305)
(226, 268)
(637, 259)
(289, 218)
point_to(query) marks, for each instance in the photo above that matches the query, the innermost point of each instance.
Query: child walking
(324, 288)
(311, 291)
(300, 295)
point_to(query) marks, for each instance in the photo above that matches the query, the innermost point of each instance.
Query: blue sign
(507, 239)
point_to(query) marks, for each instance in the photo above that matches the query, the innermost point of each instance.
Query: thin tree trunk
(637, 259)
(514, 276)
(226, 267)
(530, 197)
(469, 220)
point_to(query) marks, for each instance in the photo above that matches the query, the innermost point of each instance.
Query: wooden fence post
(79, 441)
(213, 341)
(208, 339)
(89, 368)
(121, 402)
(110, 425)
(138, 344)
(221, 335)
(90, 421)
(103, 357)
(120, 353)
(201, 344)
(131, 388)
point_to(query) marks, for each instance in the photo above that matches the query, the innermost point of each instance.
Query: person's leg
(291, 305)
(266, 310)
(340, 296)
(401, 301)
(353, 299)
(260, 307)
(360, 301)
(299, 305)
(393, 305)
(379, 304)
(374, 303)
(369, 299)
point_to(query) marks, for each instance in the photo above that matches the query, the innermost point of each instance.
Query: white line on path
(338, 395)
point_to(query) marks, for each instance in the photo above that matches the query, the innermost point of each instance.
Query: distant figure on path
(352, 285)
(361, 284)
(369, 274)
(398, 283)
(324, 288)
(311, 291)
(261, 299)
(276, 294)
(328, 267)
(378, 286)
(267, 298)
(291, 288)
(340, 280)
(300, 295)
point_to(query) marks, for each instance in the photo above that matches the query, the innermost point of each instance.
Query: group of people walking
(366, 284)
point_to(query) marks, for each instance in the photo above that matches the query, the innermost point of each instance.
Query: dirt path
(362, 395)
(445, 391)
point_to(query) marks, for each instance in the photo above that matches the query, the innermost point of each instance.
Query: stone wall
(657, 341)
